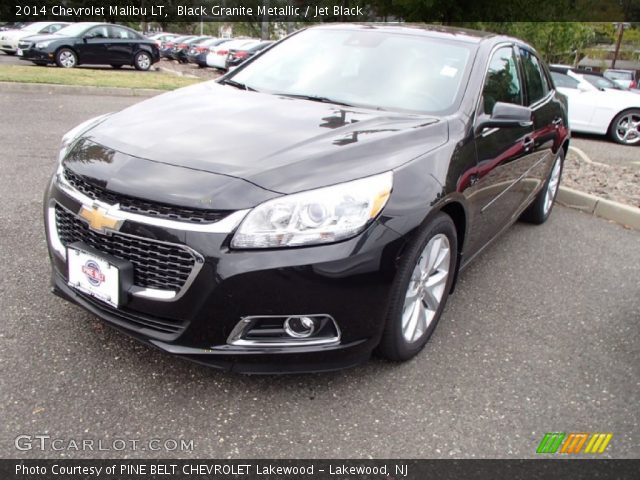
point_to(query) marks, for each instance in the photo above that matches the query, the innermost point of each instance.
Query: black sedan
(306, 209)
(237, 56)
(88, 43)
(181, 50)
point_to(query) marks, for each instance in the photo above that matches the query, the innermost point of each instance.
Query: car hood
(14, 34)
(44, 37)
(278, 143)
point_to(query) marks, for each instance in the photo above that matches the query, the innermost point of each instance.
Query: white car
(624, 78)
(9, 39)
(217, 56)
(602, 111)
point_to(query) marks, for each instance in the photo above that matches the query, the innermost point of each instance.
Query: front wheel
(625, 128)
(420, 289)
(540, 209)
(142, 61)
(66, 58)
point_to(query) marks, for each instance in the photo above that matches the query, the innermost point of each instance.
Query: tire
(625, 128)
(117, 67)
(66, 58)
(142, 61)
(540, 209)
(412, 302)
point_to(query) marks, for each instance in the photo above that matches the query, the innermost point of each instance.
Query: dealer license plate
(94, 276)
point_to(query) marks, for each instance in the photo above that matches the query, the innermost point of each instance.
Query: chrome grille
(155, 264)
(143, 207)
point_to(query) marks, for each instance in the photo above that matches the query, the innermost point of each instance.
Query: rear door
(121, 46)
(503, 155)
(547, 117)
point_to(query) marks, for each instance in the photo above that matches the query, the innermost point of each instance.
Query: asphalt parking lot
(600, 149)
(541, 335)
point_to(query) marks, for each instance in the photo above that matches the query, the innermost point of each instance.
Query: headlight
(72, 135)
(43, 44)
(317, 216)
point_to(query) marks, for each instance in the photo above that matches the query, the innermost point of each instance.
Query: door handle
(528, 143)
(557, 121)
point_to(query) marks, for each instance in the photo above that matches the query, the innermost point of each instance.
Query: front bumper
(35, 55)
(347, 281)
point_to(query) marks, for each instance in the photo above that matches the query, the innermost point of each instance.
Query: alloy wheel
(552, 186)
(426, 288)
(67, 59)
(144, 62)
(628, 128)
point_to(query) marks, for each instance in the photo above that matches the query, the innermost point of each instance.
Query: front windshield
(370, 68)
(74, 30)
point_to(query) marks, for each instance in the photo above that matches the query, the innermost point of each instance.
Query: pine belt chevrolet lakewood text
(311, 206)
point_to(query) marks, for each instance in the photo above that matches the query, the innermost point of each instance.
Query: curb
(600, 207)
(175, 72)
(77, 89)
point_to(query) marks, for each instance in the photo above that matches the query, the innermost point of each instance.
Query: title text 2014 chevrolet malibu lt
(313, 205)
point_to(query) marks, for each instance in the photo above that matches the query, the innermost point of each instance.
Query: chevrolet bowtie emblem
(99, 220)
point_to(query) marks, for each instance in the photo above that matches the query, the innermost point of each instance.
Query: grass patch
(95, 77)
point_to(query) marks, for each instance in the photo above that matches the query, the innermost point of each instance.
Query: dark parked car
(306, 208)
(237, 56)
(199, 54)
(166, 46)
(88, 43)
(180, 49)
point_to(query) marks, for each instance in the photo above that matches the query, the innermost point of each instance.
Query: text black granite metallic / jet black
(313, 205)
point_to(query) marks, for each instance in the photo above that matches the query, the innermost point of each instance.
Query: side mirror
(506, 115)
(584, 88)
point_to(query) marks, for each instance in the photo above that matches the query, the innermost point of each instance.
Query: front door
(93, 46)
(504, 154)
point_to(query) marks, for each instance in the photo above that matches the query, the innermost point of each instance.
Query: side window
(502, 83)
(121, 33)
(534, 77)
(97, 32)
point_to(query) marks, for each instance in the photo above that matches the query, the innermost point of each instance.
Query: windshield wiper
(315, 98)
(239, 85)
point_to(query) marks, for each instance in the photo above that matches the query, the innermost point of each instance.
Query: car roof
(422, 29)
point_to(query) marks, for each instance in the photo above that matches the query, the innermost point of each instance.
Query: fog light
(299, 327)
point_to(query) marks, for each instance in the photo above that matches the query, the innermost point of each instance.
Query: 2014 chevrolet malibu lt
(312, 206)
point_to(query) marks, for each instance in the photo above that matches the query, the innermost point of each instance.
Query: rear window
(617, 75)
